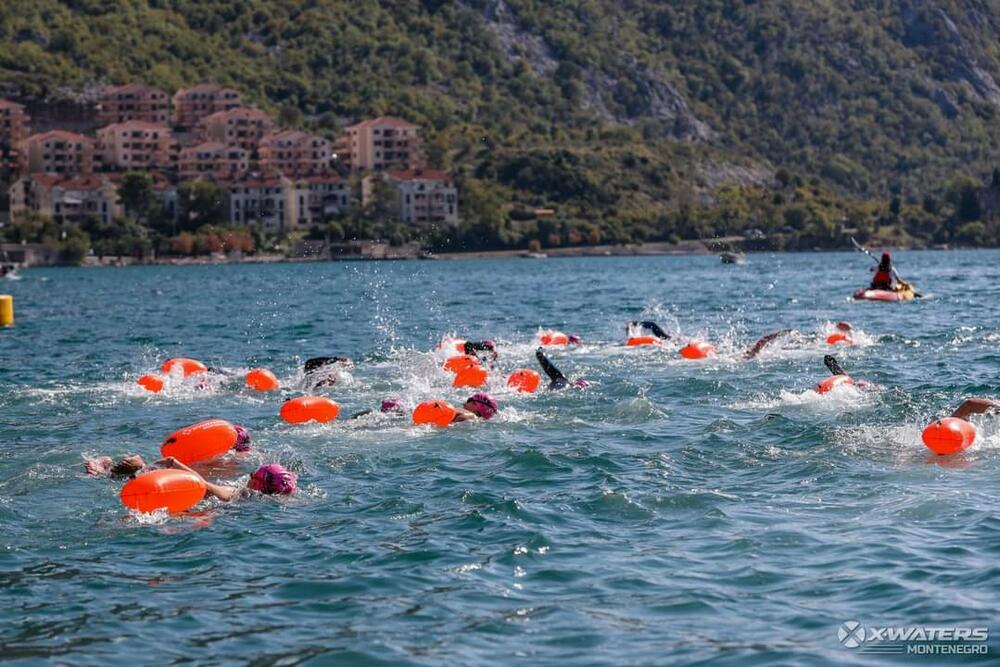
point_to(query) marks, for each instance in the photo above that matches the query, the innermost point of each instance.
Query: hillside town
(276, 178)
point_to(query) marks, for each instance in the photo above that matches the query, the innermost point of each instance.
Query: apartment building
(211, 159)
(242, 126)
(133, 101)
(136, 144)
(425, 196)
(193, 104)
(322, 197)
(14, 129)
(67, 200)
(270, 200)
(295, 153)
(381, 144)
(59, 152)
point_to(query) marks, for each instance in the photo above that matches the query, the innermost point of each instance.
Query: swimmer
(769, 338)
(836, 369)
(392, 406)
(651, 327)
(478, 406)
(324, 371)
(487, 346)
(130, 464)
(976, 406)
(271, 479)
(556, 378)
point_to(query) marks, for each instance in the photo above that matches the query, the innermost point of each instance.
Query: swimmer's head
(574, 339)
(845, 326)
(490, 345)
(482, 404)
(392, 405)
(242, 439)
(581, 383)
(886, 259)
(273, 479)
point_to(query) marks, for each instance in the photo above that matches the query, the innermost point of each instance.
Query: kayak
(905, 294)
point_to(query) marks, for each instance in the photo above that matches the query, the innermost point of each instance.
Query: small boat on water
(904, 293)
(9, 271)
(733, 258)
(535, 255)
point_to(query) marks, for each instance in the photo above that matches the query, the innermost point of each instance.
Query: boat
(905, 293)
(733, 258)
(9, 271)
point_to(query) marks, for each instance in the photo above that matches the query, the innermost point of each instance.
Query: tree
(136, 194)
(201, 203)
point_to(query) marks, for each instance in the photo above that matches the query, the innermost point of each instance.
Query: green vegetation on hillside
(636, 120)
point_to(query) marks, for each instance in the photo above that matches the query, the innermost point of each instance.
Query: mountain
(622, 113)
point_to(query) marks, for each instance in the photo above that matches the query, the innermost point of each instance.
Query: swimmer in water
(556, 378)
(271, 479)
(836, 369)
(976, 406)
(478, 406)
(652, 327)
(130, 464)
(391, 406)
(488, 348)
(769, 338)
(324, 371)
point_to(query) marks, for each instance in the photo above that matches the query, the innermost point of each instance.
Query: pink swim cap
(392, 405)
(273, 479)
(242, 439)
(574, 339)
(483, 405)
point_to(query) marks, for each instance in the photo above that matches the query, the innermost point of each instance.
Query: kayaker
(884, 274)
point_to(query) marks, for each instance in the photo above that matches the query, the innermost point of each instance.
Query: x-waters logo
(914, 640)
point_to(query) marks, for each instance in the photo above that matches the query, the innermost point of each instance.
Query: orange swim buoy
(438, 413)
(261, 379)
(149, 382)
(203, 441)
(949, 436)
(838, 337)
(309, 408)
(474, 376)
(460, 363)
(697, 350)
(832, 382)
(551, 337)
(524, 380)
(637, 341)
(188, 366)
(172, 490)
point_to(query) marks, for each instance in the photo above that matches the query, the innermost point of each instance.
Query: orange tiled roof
(134, 125)
(385, 120)
(59, 134)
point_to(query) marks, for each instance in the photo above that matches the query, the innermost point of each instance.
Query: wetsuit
(472, 348)
(653, 328)
(556, 378)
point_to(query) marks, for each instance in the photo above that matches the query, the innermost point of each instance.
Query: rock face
(652, 96)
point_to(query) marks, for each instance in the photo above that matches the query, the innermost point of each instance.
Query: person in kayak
(884, 274)
(556, 378)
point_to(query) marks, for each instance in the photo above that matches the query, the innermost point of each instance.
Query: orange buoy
(524, 380)
(188, 366)
(551, 337)
(949, 435)
(838, 337)
(697, 350)
(172, 490)
(203, 441)
(474, 376)
(149, 382)
(637, 341)
(261, 379)
(832, 382)
(438, 413)
(309, 408)
(460, 363)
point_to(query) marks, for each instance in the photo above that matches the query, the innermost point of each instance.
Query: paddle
(899, 278)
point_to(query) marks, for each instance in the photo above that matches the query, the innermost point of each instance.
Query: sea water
(674, 512)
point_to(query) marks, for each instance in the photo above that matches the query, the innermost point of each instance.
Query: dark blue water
(677, 512)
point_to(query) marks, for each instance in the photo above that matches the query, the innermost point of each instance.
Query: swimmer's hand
(98, 466)
(171, 462)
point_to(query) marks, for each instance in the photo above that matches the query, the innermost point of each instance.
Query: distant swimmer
(843, 327)
(325, 371)
(976, 406)
(484, 350)
(390, 406)
(556, 378)
(652, 327)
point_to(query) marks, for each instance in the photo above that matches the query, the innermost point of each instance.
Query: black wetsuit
(472, 347)
(653, 328)
(556, 378)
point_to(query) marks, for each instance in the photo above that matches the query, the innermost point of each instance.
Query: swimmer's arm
(976, 406)
(223, 493)
(656, 330)
(555, 375)
(363, 413)
(764, 342)
(463, 415)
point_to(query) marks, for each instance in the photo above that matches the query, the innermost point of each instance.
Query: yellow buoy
(6, 310)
